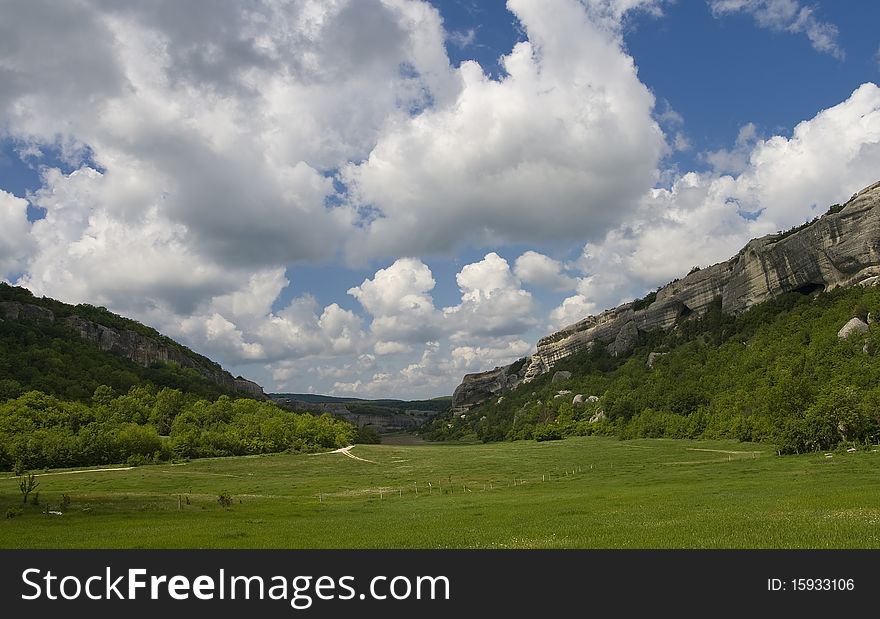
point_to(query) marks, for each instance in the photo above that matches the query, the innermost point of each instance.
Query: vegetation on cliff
(51, 357)
(64, 402)
(777, 373)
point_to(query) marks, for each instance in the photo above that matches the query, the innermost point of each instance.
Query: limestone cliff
(839, 249)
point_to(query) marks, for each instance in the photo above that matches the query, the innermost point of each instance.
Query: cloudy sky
(374, 197)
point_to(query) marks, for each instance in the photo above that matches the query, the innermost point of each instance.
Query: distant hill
(69, 350)
(439, 404)
(381, 415)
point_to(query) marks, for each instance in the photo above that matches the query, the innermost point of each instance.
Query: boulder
(561, 375)
(855, 325)
(593, 398)
(625, 340)
(578, 399)
(599, 416)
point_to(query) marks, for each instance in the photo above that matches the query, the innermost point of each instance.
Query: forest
(148, 424)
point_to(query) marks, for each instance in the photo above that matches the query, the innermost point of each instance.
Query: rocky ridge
(134, 346)
(839, 249)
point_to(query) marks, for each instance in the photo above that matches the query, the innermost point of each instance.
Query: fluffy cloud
(480, 358)
(573, 309)
(488, 168)
(492, 302)
(225, 121)
(786, 16)
(15, 242)
(540, 270)
(430, 373)
(397, 298)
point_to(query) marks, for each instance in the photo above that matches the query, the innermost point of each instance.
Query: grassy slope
(638, 494)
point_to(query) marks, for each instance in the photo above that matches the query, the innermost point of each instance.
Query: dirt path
(346, 451)
(118, 468)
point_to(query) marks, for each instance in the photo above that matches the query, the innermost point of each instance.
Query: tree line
(149, 424)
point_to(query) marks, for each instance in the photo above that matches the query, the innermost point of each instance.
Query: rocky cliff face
(13, 310)
(139, 348)
(839, 249)
(476, 388)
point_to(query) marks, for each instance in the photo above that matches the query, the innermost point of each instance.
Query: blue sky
(372, 198)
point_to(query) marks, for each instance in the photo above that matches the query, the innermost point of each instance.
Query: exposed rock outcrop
(145, 351)
(558, 376)
(626, 339)
(13, 310)
(839, 249)
(855, 325)
(250, 388)
(475, 388)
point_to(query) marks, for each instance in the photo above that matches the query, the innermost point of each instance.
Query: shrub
(225, 499)
(547, 433)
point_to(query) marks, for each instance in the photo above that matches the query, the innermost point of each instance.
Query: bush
(547, 433)
(14, 512)
(137, 460)
(225, 500)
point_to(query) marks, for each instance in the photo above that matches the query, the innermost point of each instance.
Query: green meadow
(582, 492)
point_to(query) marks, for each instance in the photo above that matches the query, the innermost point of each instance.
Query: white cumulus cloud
(540, 270)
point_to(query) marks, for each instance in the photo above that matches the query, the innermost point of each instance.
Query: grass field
(578, 493)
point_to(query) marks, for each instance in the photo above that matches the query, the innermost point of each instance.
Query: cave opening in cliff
(811, 288)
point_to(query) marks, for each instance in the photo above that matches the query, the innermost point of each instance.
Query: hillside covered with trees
(777, 373)
(51, 357)
(65, 402)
